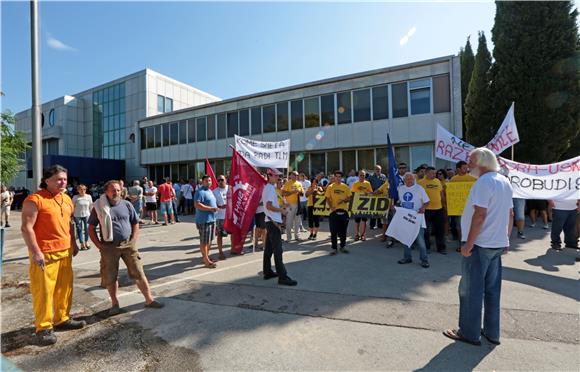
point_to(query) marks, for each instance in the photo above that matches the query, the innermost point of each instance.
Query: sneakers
(532, 225)
(344, 250)
(45, 337)
(425, 264)
(390, 243)
(70, 324)
(546, 227)
(521, 235)
(404, 261)
(287, 281)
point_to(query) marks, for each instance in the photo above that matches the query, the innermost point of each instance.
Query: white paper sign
(264, 154)
(450, 147)
(405, 225)
(507, 134)
(558, 181)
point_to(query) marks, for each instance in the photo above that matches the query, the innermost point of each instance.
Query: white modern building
(337, 123)
(101, 122)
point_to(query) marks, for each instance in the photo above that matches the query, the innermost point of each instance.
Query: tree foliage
(478, 115)
(12, 146)
(537, 65)
(467, 60)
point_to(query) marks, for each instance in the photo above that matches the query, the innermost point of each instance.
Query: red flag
(244, 195)
(211, 174)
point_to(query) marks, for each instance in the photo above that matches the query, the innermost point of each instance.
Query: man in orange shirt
(166, 195)
(46, 229)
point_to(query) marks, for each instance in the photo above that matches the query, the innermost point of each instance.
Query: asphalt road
(357, 311)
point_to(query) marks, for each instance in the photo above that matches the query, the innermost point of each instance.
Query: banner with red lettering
(507, 134)
(450, 147)
(244, 195)
(559, 181)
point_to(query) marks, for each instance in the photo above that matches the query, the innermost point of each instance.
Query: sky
(227, 49)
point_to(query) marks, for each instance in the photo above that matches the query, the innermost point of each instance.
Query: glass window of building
(400, 105)
(366, 160)
(343, 104)
(244, 123)
(174, 172)
(210, 127)
(219, 167)
(150, 137)
(381, 102)
(382, 159)
(232, 123)
(422, 154)
(190, 130)
(166, 134)
(221, 126)
(190, 170)
(403, 156)
(256, 120)
(160, 103)
(332, 161)
(420, 92)
(182, 171)
(282, 116)
(361, 100)
(327, 109)
(312, 112)
(157, 136)
(168, 104)
(174, 133)
(441, 94)
(143, 136)
(318, 163)
(200, 124)
(182, 132)
(296, 115)
(348, 161)
(269, 118)
(199, 169)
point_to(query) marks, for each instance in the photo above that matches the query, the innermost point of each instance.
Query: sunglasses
(221, 179)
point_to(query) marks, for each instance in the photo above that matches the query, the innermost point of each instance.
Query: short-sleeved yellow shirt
(292, 186)
(338, 196)
(433, 188)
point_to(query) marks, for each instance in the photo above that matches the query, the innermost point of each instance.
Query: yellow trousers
(51, 289)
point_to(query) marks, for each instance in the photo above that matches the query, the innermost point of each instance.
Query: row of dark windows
(408, 98)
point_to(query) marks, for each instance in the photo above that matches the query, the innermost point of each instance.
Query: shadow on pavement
(458, 357)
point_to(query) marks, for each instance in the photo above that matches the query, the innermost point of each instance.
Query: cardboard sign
(405, 225)
(320, 207)
(456, 194)
(369, 205)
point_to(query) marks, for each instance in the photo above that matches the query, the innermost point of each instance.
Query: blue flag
(393, 179)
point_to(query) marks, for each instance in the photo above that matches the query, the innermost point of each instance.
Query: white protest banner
(405, 225)
(507, 134)
(264, 154)
(450, 147)
(558, 181)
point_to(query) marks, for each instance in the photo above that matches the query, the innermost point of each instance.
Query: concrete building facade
(337, 123)
(102, 122)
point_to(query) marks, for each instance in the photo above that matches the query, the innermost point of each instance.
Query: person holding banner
(413, 196)
(486, 226)
(273, 243)
(361, 186)
(337, 197)
(313, 220)
(384, 190)
(377, 179)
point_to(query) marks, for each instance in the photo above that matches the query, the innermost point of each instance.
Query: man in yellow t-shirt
(364, 187)
(292, 191)
(435, 211)
(337, 197)
(461, 175)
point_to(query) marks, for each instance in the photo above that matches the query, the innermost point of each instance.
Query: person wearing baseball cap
(273, 244)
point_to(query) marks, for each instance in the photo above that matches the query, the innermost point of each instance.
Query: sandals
(211, 265)
(455, 335)
(362, 238)
(356, 237)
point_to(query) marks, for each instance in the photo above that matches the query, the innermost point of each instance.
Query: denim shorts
(166, 208)
(519, 209)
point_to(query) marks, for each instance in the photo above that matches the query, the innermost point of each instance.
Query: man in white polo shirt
(486, 225)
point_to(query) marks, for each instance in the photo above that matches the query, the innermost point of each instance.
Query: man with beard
(119, 229)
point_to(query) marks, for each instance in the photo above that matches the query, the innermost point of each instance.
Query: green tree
(537, 54)
(12, 146)
(478, 115)
(467, 60)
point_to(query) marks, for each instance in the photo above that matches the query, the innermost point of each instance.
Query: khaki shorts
(110, 255)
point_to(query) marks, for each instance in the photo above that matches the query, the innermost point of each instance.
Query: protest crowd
(259, 208)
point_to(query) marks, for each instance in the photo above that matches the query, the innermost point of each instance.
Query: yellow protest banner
(457, 193)
(369, 204)
(320, 206)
